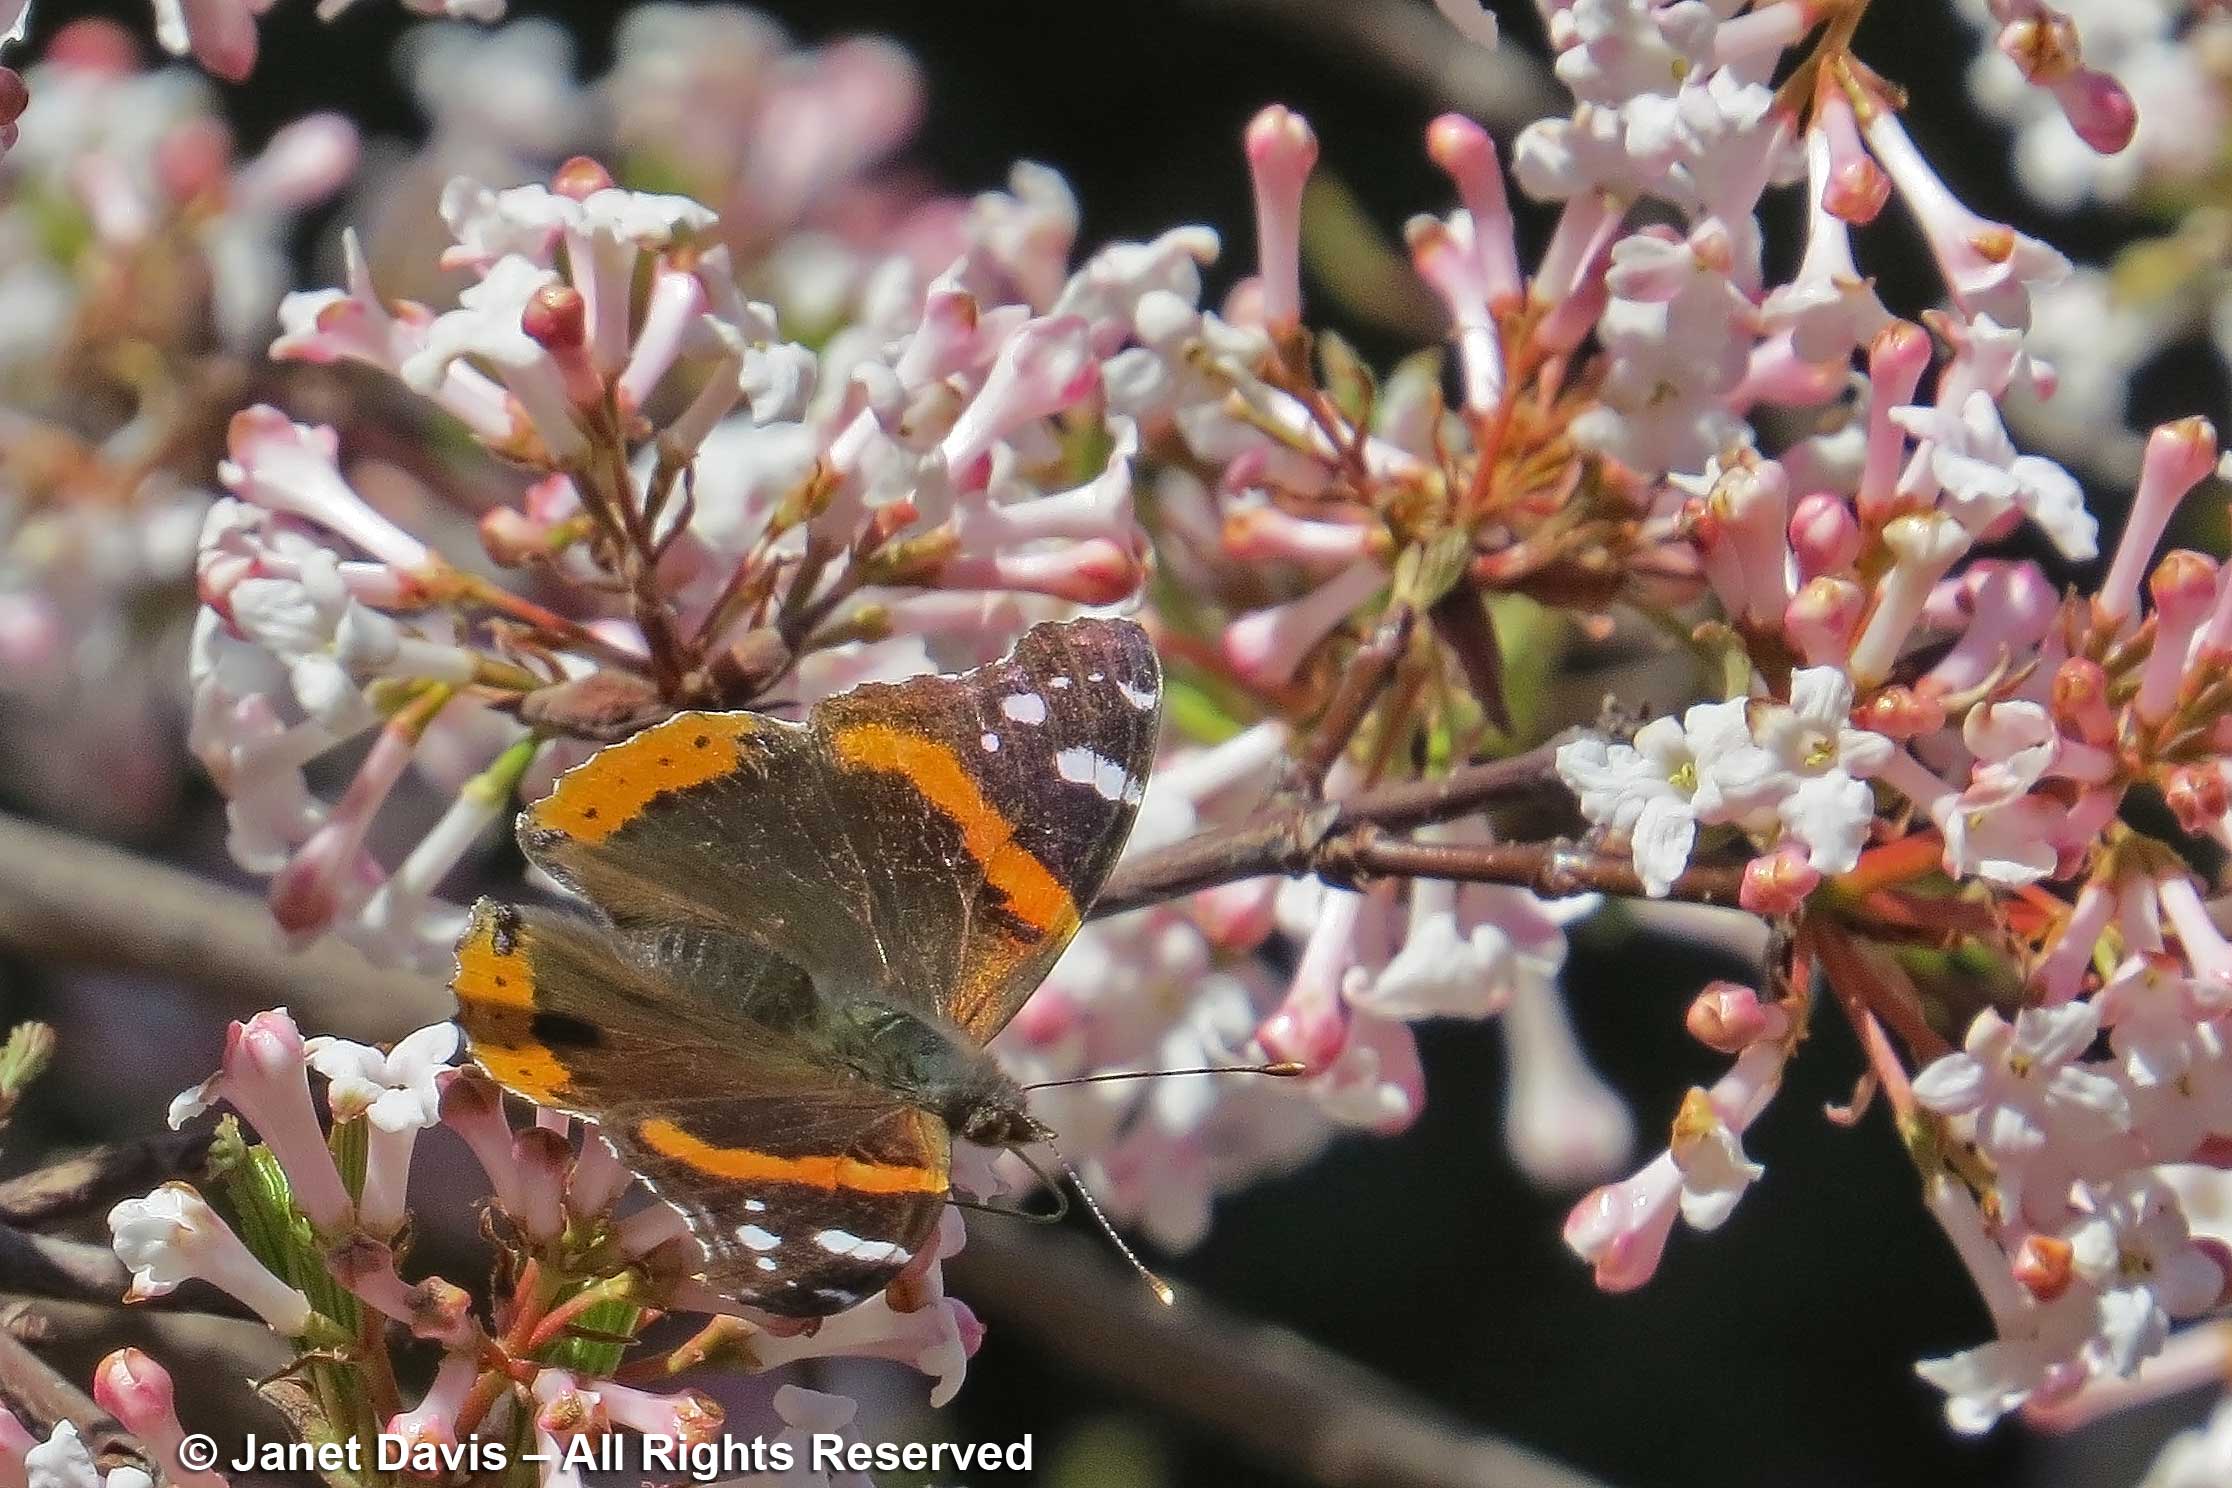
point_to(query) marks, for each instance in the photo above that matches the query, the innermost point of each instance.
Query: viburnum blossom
(903, 495)
(589, 1259)
(176, 258)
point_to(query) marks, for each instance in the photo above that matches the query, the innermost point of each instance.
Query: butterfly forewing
(931, 841)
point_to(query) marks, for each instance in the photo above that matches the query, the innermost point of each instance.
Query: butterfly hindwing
(800, 1213)
(930, 842)
(808, 1188)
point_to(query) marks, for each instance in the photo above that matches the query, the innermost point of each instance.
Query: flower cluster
(310, 1230)
(710, 515)
(1910, 737)
(138, 252)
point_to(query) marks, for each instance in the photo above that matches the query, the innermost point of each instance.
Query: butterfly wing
(930, 842)
(808, 1188)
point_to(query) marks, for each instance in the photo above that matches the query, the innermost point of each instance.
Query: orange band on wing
(1033, 894)
(668, 1140)
(495, 987)
(596, 799)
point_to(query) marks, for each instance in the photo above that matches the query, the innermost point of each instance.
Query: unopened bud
(580, 178)
(2042, 1266)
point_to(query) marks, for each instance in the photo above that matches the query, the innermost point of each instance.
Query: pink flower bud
(1728, 1017)
(1901, 712)
(580, 178)
(1897, 357)
(193, 159)
(137, 1391)
(2080, 701)
(2099, 109)
(265, 1076)
(1466, 152)
(541, 1157)
(1281, 153)
(557, 317)
(1856, 188)
(306, 162)
(1824, 535)
(2178, 456)
(2183, 587)
(1821, 620)
(15, 1444)
(2042, 1266)
(1778, 883)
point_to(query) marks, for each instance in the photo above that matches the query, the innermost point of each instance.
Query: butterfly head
(999, 1123)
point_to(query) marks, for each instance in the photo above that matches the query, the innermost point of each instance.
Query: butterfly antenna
(1283, 1068)
(1156, 1284)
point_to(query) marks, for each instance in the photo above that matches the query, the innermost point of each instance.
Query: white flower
(2136, 1249)
(1808, 765)
(172, 1235)
(1715, 1171)
(1969, 463)
(64, 1461)
(1656, 790)
(396, 1089)
(1995, 829)
(2022, 1084)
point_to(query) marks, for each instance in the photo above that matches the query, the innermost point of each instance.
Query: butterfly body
(805, 933)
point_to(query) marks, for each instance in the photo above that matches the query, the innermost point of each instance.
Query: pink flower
(265, 1077)
(137, 1391)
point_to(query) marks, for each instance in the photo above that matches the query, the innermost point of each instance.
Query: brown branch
(1551, 869)
(32, 1385)
(1361, 684)
(67, 900)
(1287, 840)
(74, 1183)
(79, 1271)
(47, 1266)
(1275, 1395)
(1348, 841)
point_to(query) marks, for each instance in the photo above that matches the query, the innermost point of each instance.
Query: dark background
(1777, 1351)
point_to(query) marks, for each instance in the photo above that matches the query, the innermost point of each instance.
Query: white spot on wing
(991, 743)
(766, 1263)
(1059, 682)
(1096, 676)
(1080, 766)
(756, 1238)
(1024, 707)
(1142, 699)
(846, 1243)
(754, 1206)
